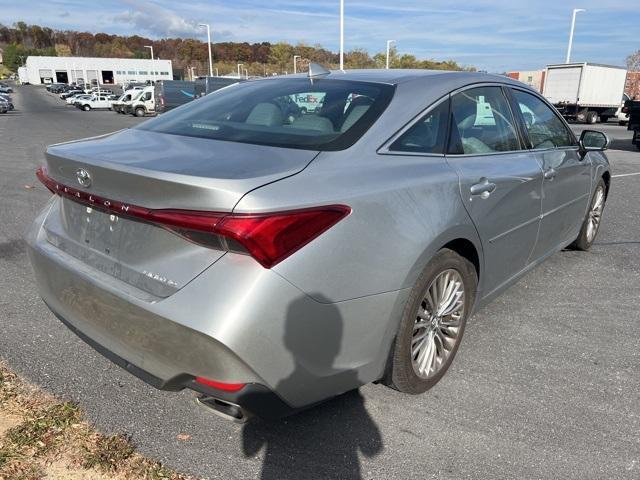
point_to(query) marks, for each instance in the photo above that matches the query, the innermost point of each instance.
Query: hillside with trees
(21, 40)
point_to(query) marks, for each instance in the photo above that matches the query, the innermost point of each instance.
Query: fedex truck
(585, 92)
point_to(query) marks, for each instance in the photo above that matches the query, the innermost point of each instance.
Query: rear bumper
(255, 398)
(234, 323)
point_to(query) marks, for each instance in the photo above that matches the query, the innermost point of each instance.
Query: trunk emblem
(83, 177)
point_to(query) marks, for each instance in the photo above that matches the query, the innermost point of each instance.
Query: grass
(47, 431)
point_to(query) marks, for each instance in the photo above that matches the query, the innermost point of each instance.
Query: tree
(633, 61)
(358, 58)
(282, 56)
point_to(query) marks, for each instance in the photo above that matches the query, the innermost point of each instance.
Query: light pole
(193, 73)
(295, 68)
(246, 73)
(341, 34)
(389, 42)
(573, 25)
(209, 44)
(240, 65)
(153, 63)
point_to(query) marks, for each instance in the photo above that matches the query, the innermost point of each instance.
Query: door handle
(484, 188)
(550, 173)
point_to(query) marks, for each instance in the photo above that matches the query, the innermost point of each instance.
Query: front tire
(86, 108)
(591, 224)
(139, 112)
(433, 323)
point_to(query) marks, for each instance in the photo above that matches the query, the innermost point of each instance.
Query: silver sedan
(269, 255)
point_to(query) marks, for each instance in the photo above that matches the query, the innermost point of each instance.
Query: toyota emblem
(83, 177)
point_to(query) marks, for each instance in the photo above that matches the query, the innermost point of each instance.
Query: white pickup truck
(96, 102)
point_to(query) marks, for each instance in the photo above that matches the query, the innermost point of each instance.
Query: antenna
(317, 70)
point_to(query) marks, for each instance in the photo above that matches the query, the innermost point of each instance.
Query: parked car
(50, 86)
(77, 98)
(71, 93)
(4, 106)
(9, 101)
(621, 114)
(120, 103)
(270, 263)
(632, 109)
(170, 94)
(95, 102)
(6, 90)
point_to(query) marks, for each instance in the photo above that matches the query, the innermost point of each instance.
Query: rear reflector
(267, 237)
(225, 387)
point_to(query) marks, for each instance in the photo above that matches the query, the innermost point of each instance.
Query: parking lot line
(625, 175)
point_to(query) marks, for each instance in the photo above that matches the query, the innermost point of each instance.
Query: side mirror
(592, 140)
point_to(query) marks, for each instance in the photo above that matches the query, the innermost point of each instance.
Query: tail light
(268, 237)
(225, 387)
(625, 109)
(162, 100)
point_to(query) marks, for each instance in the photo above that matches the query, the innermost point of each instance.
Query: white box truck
(585, 92)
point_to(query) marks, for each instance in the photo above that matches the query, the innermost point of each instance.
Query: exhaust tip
(224, 409)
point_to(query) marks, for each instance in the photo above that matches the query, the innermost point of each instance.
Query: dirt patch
(8, 421)
(42, 437)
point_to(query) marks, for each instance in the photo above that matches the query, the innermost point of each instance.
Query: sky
(492, 35)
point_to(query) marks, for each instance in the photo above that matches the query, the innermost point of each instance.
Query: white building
(107, 70)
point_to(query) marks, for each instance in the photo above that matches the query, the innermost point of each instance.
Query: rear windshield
(323, 114)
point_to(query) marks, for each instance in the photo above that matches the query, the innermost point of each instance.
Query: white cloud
(152, 18)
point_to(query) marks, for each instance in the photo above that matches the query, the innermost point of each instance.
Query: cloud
(157, 20)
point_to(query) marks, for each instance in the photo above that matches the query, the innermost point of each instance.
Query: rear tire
(432, 323)
(593, 219)
(591, 118)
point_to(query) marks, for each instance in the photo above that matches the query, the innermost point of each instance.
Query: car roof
(399, 76)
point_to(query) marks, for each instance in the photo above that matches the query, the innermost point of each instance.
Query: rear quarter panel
(404, 209)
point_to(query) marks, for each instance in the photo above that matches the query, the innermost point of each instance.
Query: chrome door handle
(550, 173)
(484, 188)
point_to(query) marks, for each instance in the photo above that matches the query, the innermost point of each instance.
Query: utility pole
(389, 42)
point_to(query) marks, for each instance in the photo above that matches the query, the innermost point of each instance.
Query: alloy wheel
(437, 325)
(595, 214)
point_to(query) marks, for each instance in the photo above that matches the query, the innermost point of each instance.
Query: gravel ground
(546, 383)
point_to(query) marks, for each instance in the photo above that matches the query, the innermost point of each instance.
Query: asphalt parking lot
(546, 383)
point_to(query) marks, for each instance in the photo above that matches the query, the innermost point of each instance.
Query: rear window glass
(323, 114)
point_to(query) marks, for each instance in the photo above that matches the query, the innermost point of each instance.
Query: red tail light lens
(272, 237)
(225, 387)
(267, 237)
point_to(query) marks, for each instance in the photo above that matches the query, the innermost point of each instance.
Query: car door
(567, 174)
(500, 181)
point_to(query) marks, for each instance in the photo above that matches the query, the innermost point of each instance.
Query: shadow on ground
(324, 442)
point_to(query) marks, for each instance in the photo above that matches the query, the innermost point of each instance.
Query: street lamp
(209, 44)
(341, 34)
(295, 68)
(573, 25)
(389, 42)
(153, 62)
(240, 65)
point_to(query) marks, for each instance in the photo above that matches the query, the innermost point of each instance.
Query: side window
(482, 122)
(545, 129)
(426, 136)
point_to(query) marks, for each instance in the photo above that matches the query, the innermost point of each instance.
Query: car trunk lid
(136, 168)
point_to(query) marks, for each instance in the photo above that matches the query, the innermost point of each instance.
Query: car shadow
(324, 441)
(623, 144)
